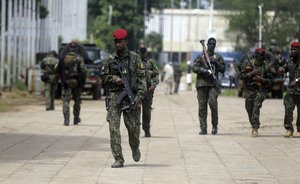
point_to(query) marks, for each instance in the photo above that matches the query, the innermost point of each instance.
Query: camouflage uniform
(255, 92)
(177, 76)
(48, 65)
(73, 75)
(134, 69)
(152, 79)
(292, 97)
(208, 88)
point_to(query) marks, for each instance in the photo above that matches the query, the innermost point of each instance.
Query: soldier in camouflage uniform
(177, 76)
(124, 71)
(292, 97)
(72, 73)
(257, 76)
(152, 81)
(278, 79)
(49, 77)
(208, 86)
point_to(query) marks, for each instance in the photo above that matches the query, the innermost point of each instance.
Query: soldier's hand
(209, 72)
(119, 82)
(281, 70)
(151, 89)
(136, 105)
(254, 72)
(293, 84)
(257, 78)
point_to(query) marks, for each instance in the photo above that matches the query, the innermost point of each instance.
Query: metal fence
(24, 33)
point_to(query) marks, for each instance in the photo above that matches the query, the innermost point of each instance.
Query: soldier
(72, 73)
(49, 77)
(292, 97)
(257, 76)
(277, 85)
(124, 74)
(208, 85)
(152, 79)
(177, 76)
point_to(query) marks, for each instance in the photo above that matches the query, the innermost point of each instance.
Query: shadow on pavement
(146, 165)
(18, 147)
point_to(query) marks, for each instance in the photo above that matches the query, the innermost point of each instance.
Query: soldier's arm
(155, 73)
(198, 67)
(82, 69)
(267, 76)
(43, 64)
(220, 65)
(106, 74)
(141, 79)
(246, 72)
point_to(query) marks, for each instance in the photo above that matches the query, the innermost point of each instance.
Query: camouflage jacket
(134, 69)
(48, 66)
(151, 71)
(293, 67)
(201, 66)
(71, 69)
(264, 72)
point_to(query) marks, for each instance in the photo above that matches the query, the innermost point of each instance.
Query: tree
(126, 14)
(283, 25)
(154, 42)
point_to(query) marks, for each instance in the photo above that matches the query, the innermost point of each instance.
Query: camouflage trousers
(290, 101)
(253, 103)
(67, 95)
(207, 95)
(177, 83)
(50, 90)
(131, 120)
(146, 111)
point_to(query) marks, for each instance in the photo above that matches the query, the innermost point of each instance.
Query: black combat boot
(136, 155)
(117, 164)
(203, 132)
(214, 130)
(77, 120)
(147, 133)
(67, 121)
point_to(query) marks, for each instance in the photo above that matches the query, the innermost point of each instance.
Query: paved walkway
(36, 148)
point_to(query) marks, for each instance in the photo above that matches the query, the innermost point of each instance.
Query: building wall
(182, 29)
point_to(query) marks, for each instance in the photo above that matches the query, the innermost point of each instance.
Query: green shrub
(20, 85)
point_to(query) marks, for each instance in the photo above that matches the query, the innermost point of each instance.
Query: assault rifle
(209, 67)
(127, 91)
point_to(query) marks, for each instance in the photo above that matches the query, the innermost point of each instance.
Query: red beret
(120, 34)
(295, 44)
(260, 50)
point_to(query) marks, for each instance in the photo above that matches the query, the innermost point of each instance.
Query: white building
(23, 33)
(67, 19)
(182, 29)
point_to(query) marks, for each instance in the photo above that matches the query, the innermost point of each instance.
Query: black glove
(45, 77)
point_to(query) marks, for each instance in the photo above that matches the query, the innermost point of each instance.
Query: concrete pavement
(36, 148)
